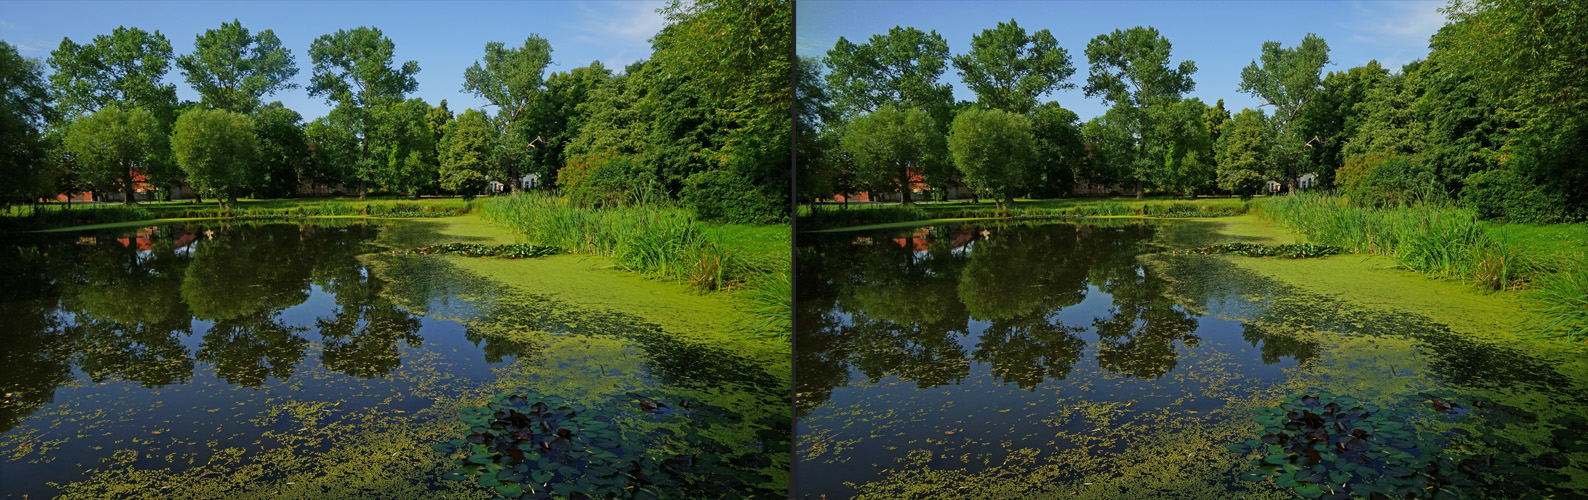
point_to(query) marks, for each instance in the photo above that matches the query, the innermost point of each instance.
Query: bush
(720, 195)
(606, 180)
(1505, 196)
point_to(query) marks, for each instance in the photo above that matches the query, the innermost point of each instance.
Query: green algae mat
(1086, 359)
(270, 359)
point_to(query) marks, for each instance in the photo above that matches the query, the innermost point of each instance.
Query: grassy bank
(1447, 241)
(838, 216)
(54, 216)
(666, 242)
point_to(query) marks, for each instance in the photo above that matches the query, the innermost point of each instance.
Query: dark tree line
(1478, 122)
(713, 136)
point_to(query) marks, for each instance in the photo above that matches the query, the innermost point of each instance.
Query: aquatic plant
(532, 446)
(1565, 298)
(1291, 251)
(1335, 447)
(510, 251)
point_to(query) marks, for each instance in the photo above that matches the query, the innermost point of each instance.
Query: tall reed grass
(655, 239)
(1448, 241)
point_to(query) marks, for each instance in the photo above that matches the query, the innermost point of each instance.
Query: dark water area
(950, 347)
(176, 342)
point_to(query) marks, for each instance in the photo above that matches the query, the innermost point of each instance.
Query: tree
(1289, 79)
(404, 140)
(1130, 69)
(114, 146)
(333, 149)
(1058, 151)
(1110, 147)
(125, 66)
(216, 148)
(284, 154)
(902, 66)
(812, 114)
(993, 148)
(1010, 70)
(353, 70)
(556, 119)
(24, 110)
(737, 55)
(888, 145)
(1244, 152)
(469, 143)
(511, 80)
(1335, 119)
(234, 70)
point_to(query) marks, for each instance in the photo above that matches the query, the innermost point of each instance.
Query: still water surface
(170, 343)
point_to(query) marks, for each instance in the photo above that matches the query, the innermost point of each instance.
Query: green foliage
(1291, 251)
(901, 67)
(1427, 238)
(1130, 69)
(284, 154)
(1505, 196)
(113, 145)
(466, 159)
(403, 137)
(557, 118)
(651, 239)
(1058, 151)
(722, 196)
(217, 150)
(24, 108)
(353, 70)
(234, 70)
(511, 80)
(607, 180)
(994, 149)
(1335, 447)
(1289, 79)
(1010, 70)
(887, 144)
(125, 66)
(511, 251)
(534, 446)
(1243, 153)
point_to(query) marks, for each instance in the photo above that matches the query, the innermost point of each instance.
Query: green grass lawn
(61, 215)
(830, 216)
(1546, 243)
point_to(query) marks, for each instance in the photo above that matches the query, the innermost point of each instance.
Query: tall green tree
(234, 69)
(333, 149)
(1110, 148)
(1058, 151)
(284, 154)
(1009, 69)
(888, 144)
(407, 144)
(354, 70)
(1130, 69)
(469, 144)
(24, 112)
(217, 150)
(1185, 156)
(114, 146)
(1244, 152)
(901, 66)
(994, 149)
(512, 80)
(1334, 119)
(1290, 80)
(125, 68)
(556, 118)
(737, 53)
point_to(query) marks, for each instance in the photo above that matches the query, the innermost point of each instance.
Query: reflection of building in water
(921, 239)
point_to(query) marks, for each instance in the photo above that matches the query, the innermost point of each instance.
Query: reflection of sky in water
(994, 383)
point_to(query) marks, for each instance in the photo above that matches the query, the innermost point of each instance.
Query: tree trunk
(363, 191)
(126, 191)
(1140, 193)
(904, 196)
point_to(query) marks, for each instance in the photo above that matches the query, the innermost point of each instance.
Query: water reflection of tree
(900, 304)
(127, 313)
(361, 334)
(37, 354)
(250, 349)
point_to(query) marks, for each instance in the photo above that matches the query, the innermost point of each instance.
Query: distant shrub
(1503, 195)
(720, 195)
(606, 180)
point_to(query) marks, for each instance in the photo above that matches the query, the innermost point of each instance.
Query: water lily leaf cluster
(533, 446)
(1293, 251)
(510, 251)
(1335, 447)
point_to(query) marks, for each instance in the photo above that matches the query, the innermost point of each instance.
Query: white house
(530, 181)
(1308, 180)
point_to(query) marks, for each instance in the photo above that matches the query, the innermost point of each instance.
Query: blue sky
(444, 37)
(1222, 37)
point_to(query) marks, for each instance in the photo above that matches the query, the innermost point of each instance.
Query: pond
(1084, 360)
(255, 359)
